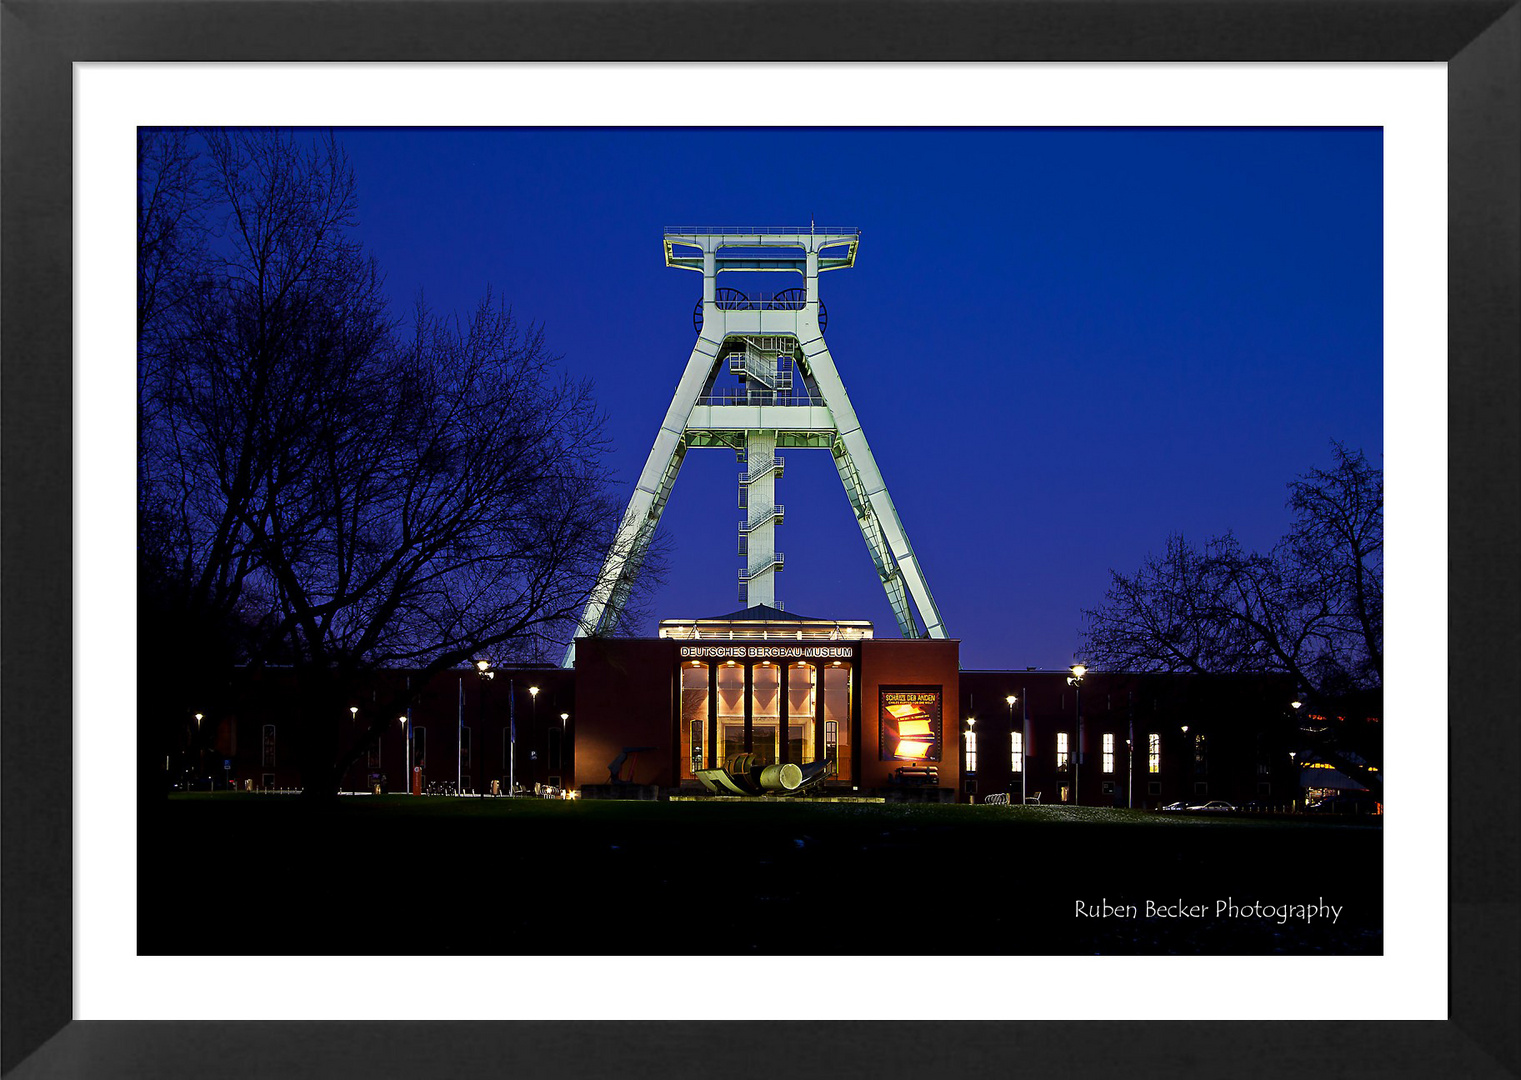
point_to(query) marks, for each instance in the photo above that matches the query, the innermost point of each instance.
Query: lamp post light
(564, 738)
(200, 749)
(533, 722)
(1296, 705)
(1011, 699)
(483, 669)
(406, 739)
(1075, 680)
(1184, 756)
(353, 720)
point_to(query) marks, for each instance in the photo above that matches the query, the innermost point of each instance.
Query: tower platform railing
(761, 230)
(781, 398)
(727, 299)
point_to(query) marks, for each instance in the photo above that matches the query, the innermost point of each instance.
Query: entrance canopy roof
(765, 623)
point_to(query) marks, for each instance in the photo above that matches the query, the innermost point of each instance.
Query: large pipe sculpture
(743, 775)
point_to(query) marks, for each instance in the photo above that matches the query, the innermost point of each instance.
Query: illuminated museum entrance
(780, 687)
(734, 706)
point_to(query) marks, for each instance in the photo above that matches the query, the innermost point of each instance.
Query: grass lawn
(256, 874)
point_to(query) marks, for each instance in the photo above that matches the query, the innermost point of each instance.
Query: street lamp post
(200, 748)
(1296, 705)
(1184, 757)
(483, 669)
(406, 739)
(533, 723)
(1011, 699)
(564, 738)
(353, 720)
(1075, 680)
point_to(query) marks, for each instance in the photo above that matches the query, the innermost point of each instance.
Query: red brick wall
(624, 691)
(896, 662)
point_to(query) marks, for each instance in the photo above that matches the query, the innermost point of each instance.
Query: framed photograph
(566, 66)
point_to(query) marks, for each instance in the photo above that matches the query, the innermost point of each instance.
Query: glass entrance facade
(808, 721)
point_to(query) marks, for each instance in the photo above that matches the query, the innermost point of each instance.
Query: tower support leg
(631, 543)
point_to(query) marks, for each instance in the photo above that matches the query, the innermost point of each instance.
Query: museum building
(884, 718)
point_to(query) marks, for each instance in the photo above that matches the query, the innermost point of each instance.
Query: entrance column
(712, 754)
(749, 692)
(783, 751)
(819, 743)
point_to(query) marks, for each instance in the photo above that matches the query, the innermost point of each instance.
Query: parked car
(1180, 805)
(1214, 806)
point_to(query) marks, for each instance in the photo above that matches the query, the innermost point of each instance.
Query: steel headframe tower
(791, 396)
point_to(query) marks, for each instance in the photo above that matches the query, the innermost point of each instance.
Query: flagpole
(512, 737)
(1130, 781)
(459, 739)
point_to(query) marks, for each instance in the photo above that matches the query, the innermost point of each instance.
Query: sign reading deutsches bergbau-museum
(770, 652)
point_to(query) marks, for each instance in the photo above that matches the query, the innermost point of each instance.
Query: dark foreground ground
(250, 874)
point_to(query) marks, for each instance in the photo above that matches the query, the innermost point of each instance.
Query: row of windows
(1063, 752)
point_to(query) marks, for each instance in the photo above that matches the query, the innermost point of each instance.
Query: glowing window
(1154, 753)
(1061, 749)
(1108, 753)
(971, 751)
(696, 690)
(1017, 751)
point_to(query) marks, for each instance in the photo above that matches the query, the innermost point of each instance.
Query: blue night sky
(1063, 344)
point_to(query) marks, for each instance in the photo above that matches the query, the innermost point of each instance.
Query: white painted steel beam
(874, 490)
(632, 541)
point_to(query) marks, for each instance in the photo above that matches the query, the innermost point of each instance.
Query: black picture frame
(1480, 40)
